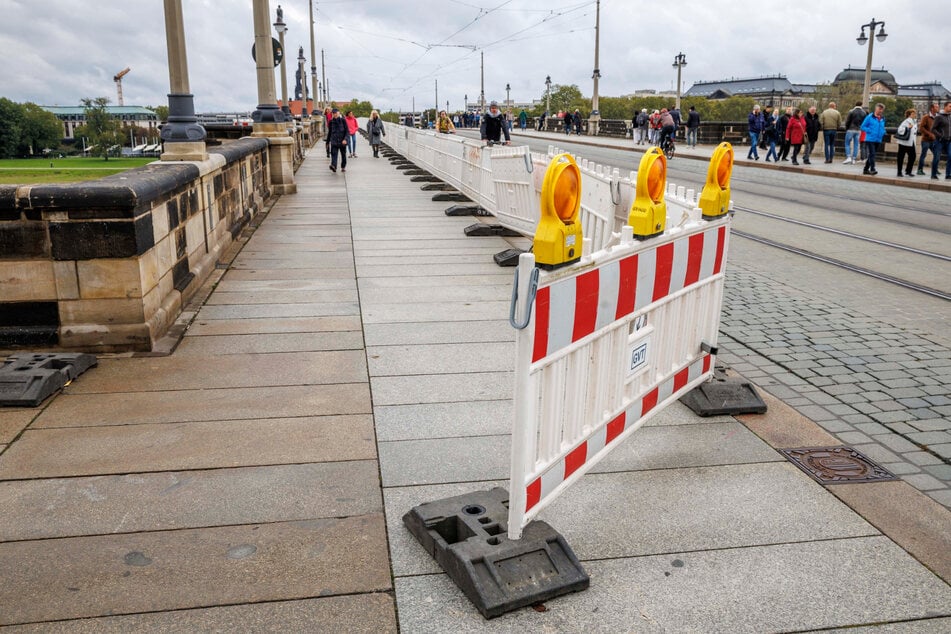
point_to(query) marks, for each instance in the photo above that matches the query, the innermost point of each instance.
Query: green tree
(101, 129)
(11, 121)
(567, 98)
(360, 108)
(161, 111)
(40, 129)
(894, 109)
(390, 117)
(733, 109)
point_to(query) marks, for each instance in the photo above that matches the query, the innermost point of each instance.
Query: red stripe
(586, 304)
(542, 310)
(721, 245)
(707, 360)
(575, 459)
(665, 262)
(627, 286)
(533, 493)
(615, 427)
(680, 379)
(694, 257)
(649, 401)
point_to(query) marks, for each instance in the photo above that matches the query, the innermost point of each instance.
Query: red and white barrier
(609, 342)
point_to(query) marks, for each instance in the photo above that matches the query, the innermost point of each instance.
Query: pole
(280, 33)
(482, 83)
(548, 96)
(323, 76)
(313, 63)
(867, 88)
(301, 61)
(437, 97)
(267, 110)
(182, 133)
(597, 71)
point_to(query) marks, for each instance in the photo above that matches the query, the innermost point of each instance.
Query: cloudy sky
(389, 52)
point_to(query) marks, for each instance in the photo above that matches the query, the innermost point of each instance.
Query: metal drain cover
(836, 465)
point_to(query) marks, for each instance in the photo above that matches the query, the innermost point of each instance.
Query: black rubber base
(724, 396)
(466, 535)
(509, 257)
(481, 230)
(26, 380)
(466, 210)
(454, 197)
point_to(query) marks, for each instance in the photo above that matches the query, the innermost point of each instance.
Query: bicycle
(668, 147)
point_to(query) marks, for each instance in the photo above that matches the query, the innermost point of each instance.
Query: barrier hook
(528, 162)
(532, 289)
(612, 185)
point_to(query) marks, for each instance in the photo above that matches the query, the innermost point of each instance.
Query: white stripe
(679, 266)
(665, 390)
(561, 314)
(646, 264)
(596, 442)
(552, 478)
(696, 369)
(709, 253)
(609, 279)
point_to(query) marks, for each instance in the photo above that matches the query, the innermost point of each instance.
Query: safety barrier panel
(609, 342)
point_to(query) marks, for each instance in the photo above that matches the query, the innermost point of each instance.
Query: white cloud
(60, 51)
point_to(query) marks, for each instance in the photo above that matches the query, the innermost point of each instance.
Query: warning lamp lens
(656, 177)
(724, 169)
(567, 193)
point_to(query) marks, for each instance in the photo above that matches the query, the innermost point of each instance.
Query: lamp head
(881, 34)
(862, 38)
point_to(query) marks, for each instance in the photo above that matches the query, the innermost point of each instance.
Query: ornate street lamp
(680, 60)
(548, 96)
(281, 29)
(862, 39)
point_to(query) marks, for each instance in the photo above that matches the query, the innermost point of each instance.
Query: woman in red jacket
(352, 126)
(796, 133)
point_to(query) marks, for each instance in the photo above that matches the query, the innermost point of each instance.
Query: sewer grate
(837, 465)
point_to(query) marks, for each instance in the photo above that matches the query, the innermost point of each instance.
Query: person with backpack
(905, 135)
(640, 123)
(853, 132)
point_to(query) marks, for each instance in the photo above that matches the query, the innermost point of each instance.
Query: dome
(858, 75)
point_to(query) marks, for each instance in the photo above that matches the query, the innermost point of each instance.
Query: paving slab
(413, 333)
(257, 311)
(443, 276)
(228, 285)
(74, 451)
(434, 295)
(359, 613)
(168, 570)
(439, 358)
(13, 421)
(235, 370)
(502, 278)
(207, 346)
(441, 388)
(477, 458)
(378, 313)
(132, 408)
(205, 326)
(68, 507)
(848, 582)
(290, 273)
(221, 297)
(442, 420)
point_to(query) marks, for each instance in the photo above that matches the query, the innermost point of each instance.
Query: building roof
(858, 74)
(113, 110)
(933, 90)
(739, 87)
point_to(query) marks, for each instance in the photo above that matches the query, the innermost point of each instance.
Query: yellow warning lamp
(648, 216)
(715, 197)
(558, 236)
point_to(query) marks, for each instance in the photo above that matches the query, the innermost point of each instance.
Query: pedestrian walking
(795, 134)
(812, 133)
(783, 139)
(693, 126)
(829, 122)
(338, 134)
(771, 136)
(853, 132)
(541, 121)
(566, 120)
(942, 142)
(444, 124)
(352, 126)
(493, 125)
(375, 132)
(874, 128)
(522, 120)
(576, 119)
(328, 115)
(927, 136)
(756, 125)
(641, 122)
(905, 135)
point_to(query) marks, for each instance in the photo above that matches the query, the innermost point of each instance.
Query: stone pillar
(182, 136)
(269, 121)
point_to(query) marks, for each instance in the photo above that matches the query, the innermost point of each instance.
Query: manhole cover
(836, 465)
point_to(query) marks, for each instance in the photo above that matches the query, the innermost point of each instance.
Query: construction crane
(118, 80)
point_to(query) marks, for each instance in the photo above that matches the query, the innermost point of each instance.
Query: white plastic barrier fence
(609, 342)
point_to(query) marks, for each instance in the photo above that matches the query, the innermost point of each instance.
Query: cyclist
(444, 123)
(493, 125)
(667, 128)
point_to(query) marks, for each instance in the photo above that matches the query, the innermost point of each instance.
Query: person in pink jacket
(352, 126)
(796, 133)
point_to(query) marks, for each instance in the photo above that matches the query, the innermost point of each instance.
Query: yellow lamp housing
(648, 215)
(715, 197)
(558, 237)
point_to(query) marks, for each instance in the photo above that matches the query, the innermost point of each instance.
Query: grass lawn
(63, 170)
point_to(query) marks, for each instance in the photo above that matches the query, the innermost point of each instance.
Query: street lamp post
(482, 83)
(548, 96)
(301, 61)
(862, 39)
(183, 136)
(281, 29)
(595, 117)
(315, 96)
(680, 60)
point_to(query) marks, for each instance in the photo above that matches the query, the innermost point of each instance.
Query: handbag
(903, 136)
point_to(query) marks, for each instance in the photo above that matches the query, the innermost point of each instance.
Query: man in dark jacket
(812, 133)
(927, 136)
(493, 125)
(756, 125)
(693, 124)
(781, 130)
(942, 142)
(853, 132)
(338, 134)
